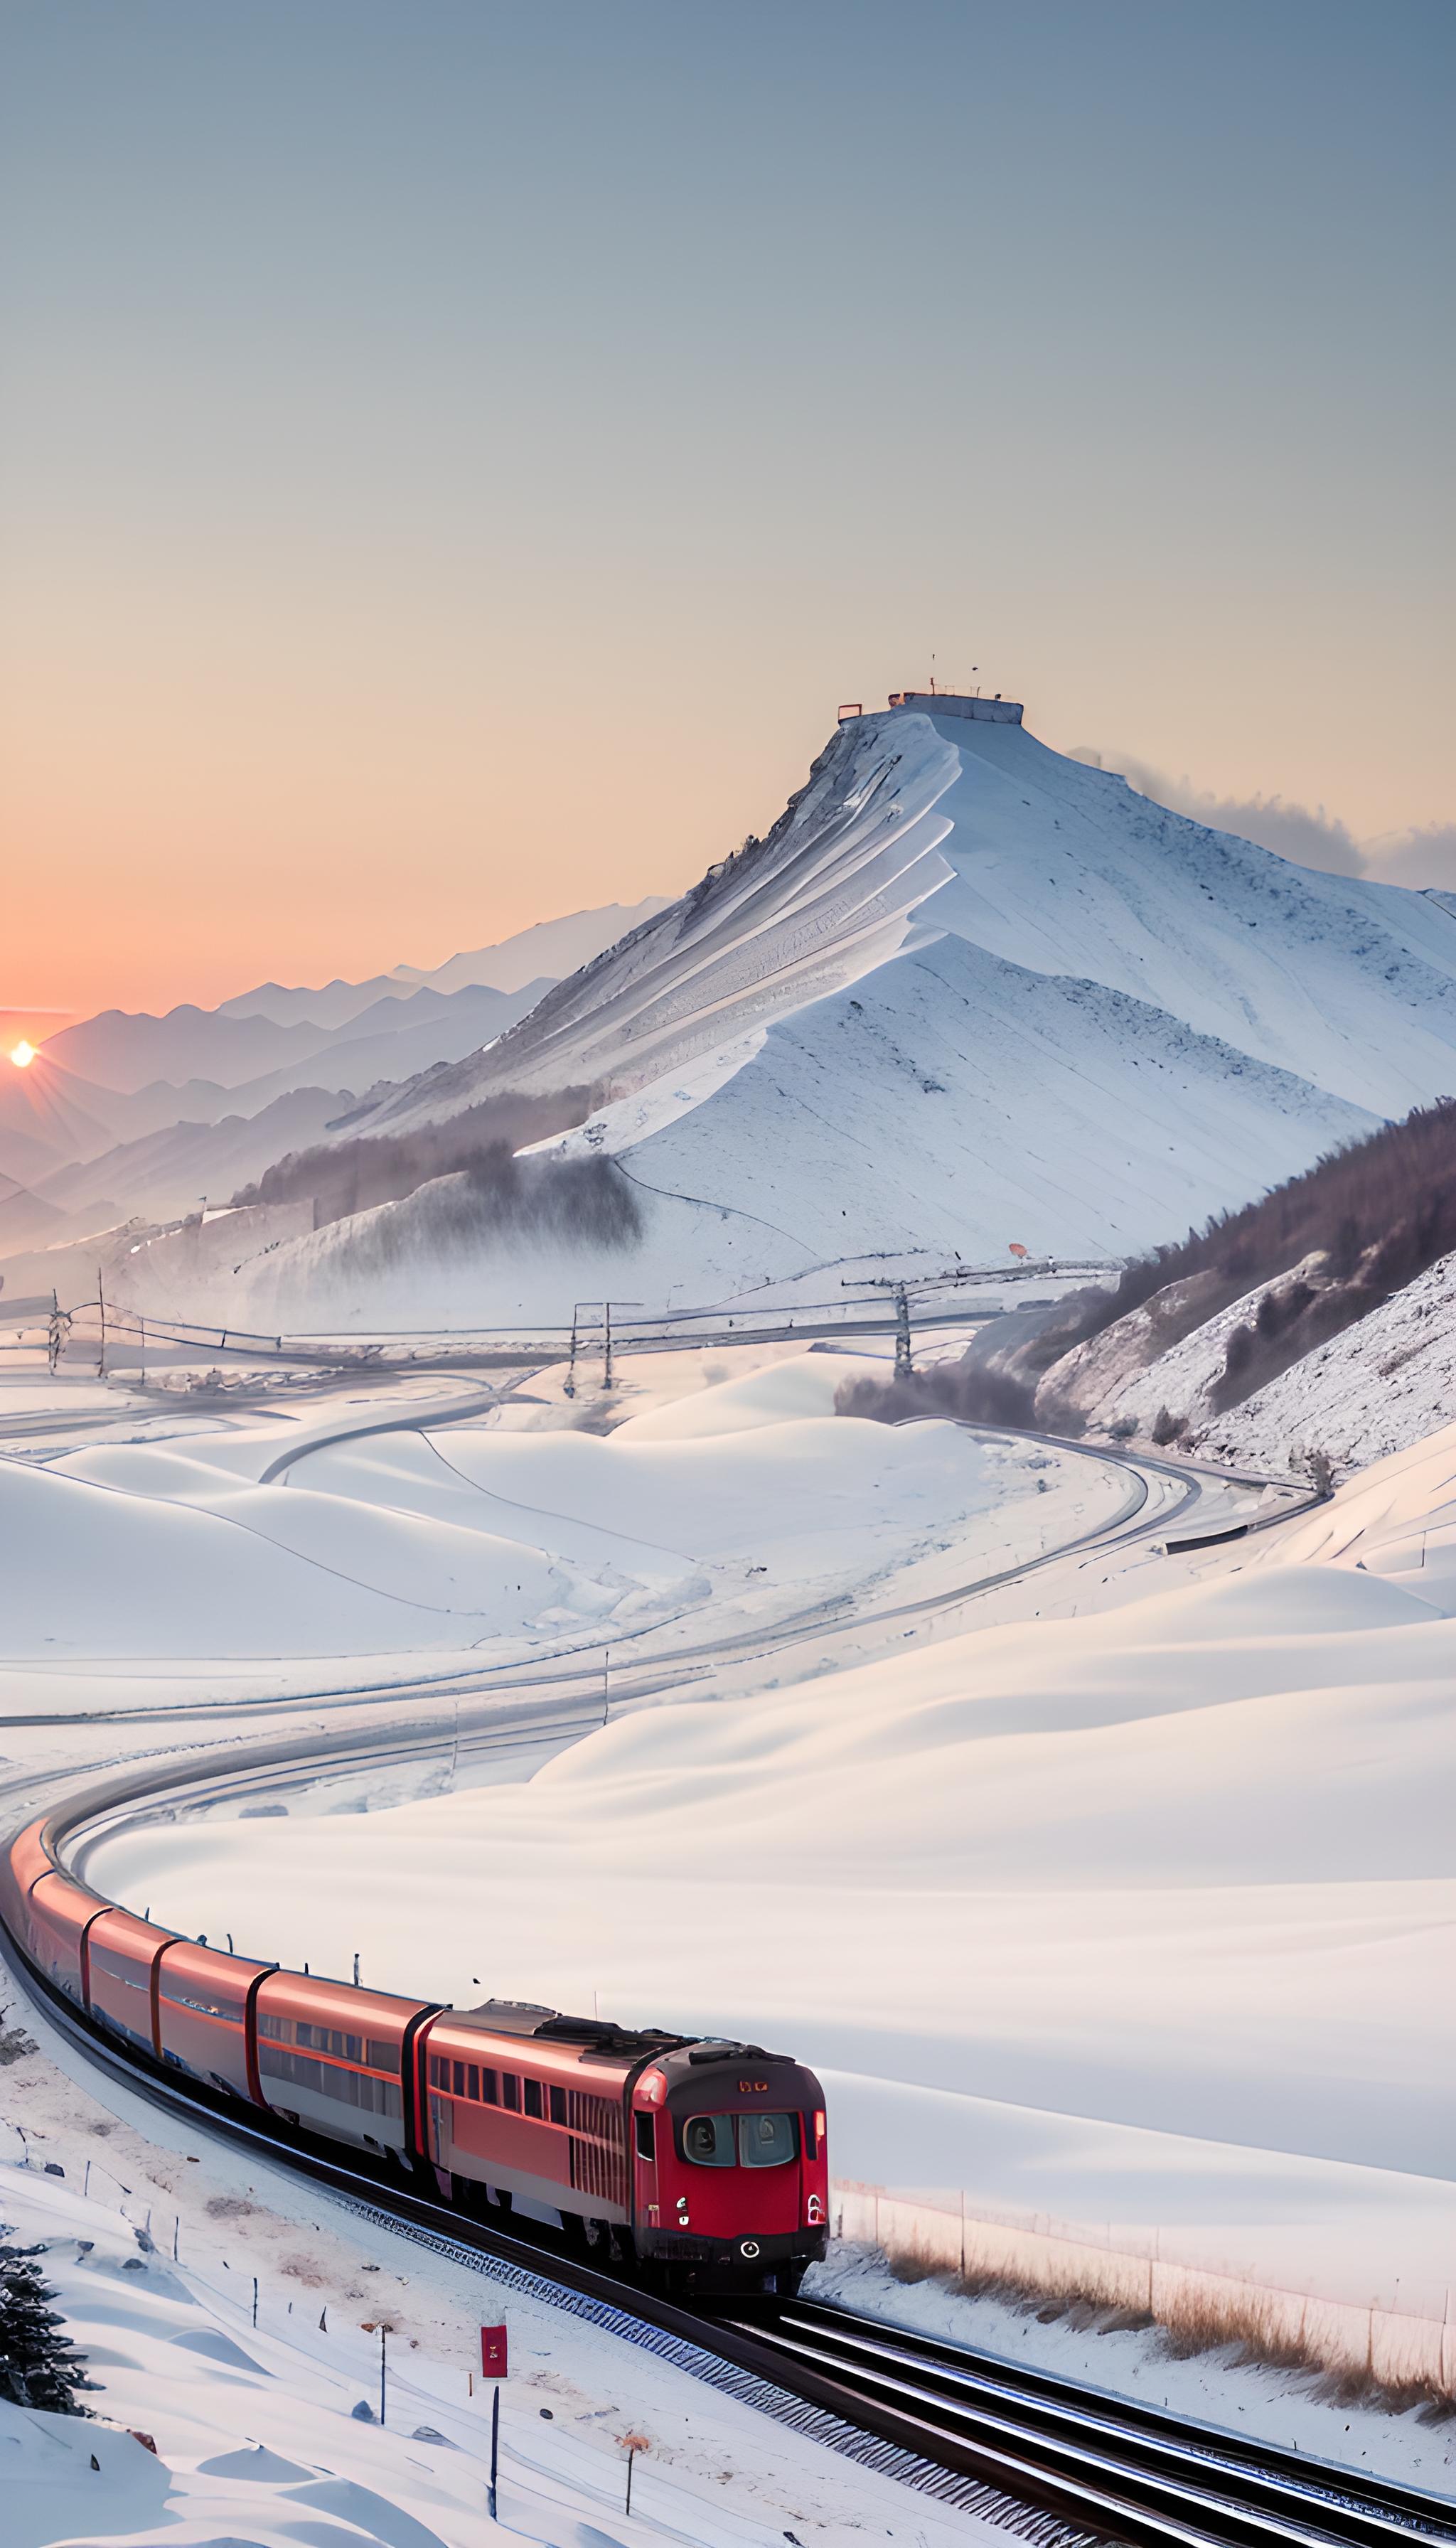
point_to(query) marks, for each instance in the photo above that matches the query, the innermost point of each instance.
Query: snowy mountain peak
(966, 990)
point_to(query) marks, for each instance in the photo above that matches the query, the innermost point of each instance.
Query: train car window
(558, 2105)
(381, 2056)
(473, 2083)
(533, 2098)
(511, 2092)
(707, 2140)
(768, 2140)
(646, 2137)
(275, 2029)
(327, 2079)
(489, 2093)
(459, 2083)
(436, 2071)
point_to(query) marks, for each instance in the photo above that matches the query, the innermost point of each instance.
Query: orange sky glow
(442, 489)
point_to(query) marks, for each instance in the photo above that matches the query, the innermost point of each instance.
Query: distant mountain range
(128, 1116)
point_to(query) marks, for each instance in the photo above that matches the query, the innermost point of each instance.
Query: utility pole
(904, 1359)
(569, 1387)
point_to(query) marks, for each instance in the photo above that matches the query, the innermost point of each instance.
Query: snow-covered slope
(1044, 863)
(967, 991)
(507, 1541)
(1381, 1386)
(1184, 1868)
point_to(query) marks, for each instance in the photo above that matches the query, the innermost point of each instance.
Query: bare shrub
(15, 2043)
(1169, 1428)
(346, 1177)
(970, 1391)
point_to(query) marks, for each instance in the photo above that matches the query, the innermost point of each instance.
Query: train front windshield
(744, 2141)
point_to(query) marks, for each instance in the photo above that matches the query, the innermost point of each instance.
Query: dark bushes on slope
(572, 1203)
(967, 1390)
(384, 1167)
(1379, 1212)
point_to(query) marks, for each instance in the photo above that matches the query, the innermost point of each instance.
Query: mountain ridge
(965, 991)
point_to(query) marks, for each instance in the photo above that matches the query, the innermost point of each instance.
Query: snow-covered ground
(1130, 1916)
(267, 2431)
(1138, 1918)
(1381, 1386)
(1397, 1520)
(1220, 2387)
(969, 992)
(754, 1504)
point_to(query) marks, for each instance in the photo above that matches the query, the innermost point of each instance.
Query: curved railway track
(1032, 2452)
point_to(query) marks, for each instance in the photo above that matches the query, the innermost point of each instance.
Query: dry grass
(1246, 2328)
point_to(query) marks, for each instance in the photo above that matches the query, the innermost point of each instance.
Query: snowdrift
(1182, 1869)
(500, 1541)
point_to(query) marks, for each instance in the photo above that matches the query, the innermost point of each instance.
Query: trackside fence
(1408, 2346)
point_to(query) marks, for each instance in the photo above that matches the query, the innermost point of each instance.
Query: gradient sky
(455, 457)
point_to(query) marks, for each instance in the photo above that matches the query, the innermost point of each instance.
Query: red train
(701, 2163)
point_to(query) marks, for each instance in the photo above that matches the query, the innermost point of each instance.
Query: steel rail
(1107, 2437)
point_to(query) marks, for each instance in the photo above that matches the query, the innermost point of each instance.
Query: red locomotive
(701, 2163)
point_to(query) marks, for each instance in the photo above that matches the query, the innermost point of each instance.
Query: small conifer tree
(39, 2364)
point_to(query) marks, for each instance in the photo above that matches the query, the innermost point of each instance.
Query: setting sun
(23, 1055)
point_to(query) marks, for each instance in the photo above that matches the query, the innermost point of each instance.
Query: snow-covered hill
(1384, 1386)
(967, 992)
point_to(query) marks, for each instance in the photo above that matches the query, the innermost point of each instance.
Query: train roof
(527, 2020)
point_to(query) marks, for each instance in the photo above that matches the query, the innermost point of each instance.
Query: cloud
(1311, 838)
(1426, 857)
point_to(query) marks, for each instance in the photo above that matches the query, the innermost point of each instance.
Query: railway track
(1025, 2449)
